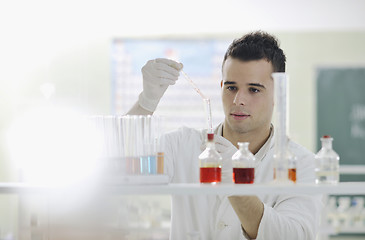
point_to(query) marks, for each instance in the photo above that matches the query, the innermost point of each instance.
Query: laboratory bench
(158, 184)
(134, 211)
(342, 188)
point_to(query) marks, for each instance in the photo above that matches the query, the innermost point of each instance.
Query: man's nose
(240, 98)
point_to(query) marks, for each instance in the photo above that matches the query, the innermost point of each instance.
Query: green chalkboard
(341, 111)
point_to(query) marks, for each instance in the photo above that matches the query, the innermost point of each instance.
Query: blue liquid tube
(148, 156)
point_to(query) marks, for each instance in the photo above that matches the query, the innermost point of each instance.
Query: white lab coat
(208, 217)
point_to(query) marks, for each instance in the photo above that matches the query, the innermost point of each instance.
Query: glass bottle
(327, 163)
(243, 163)
(210, 163)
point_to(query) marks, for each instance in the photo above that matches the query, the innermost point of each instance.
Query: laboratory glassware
(205, 100)
(148, 156)
(108, 130)
(112, 143)
(210, 163)
(243, 163)
(142, 144)
(131, 144)
(292, 166)
(284, 160)
(159, 143)
(327, 163)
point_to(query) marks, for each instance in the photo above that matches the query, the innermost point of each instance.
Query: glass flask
(327, 163)
(243, 163)
(210, 163)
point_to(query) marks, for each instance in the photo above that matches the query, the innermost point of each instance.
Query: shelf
(231, 189)
(349, 188)
(352, 169)
(351, 230)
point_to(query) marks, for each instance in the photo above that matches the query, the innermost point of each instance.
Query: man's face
(247, 95)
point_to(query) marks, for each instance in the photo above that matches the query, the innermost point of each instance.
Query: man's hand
(249, 209)
(158, 74)
(226, 149)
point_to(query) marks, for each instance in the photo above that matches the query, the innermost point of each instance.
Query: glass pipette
(209, 114)
(205, 100)
(193, 84)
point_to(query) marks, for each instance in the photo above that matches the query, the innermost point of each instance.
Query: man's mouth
(239, 116)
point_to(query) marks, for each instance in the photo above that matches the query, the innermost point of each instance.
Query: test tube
(111, 131)
(137, 133)
(143, 126)
(120, 146)
(148, 157)
(125, 129)
(159, 144)
(130, 133)
(152, 158)
(280, 154)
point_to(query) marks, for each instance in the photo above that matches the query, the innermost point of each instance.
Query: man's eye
(231, 88)
(254, 90)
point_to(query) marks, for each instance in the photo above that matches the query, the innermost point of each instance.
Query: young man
(248, 101)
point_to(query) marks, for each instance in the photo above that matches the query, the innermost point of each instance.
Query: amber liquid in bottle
(243, 175)
(292, 174)
(210, 174)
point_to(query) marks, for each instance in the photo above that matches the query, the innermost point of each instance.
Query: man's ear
(221, 83)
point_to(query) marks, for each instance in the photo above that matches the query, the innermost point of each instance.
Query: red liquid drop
(243, 175)
(210, 175)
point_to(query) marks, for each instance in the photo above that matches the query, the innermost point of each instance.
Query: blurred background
(64, 54)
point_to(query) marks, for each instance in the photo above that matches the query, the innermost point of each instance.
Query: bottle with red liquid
(243, 163)
(210, 163)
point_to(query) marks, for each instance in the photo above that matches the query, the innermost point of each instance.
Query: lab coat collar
(263, 150)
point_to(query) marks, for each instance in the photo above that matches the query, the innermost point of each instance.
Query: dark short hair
(256, 46)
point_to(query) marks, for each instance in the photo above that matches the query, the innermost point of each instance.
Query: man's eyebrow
(229, 82)
(256, 85)
(249, 84)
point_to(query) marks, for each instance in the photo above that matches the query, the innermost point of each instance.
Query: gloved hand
(158, 74)
(226, 149)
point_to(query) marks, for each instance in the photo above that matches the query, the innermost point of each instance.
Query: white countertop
(343, 188)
